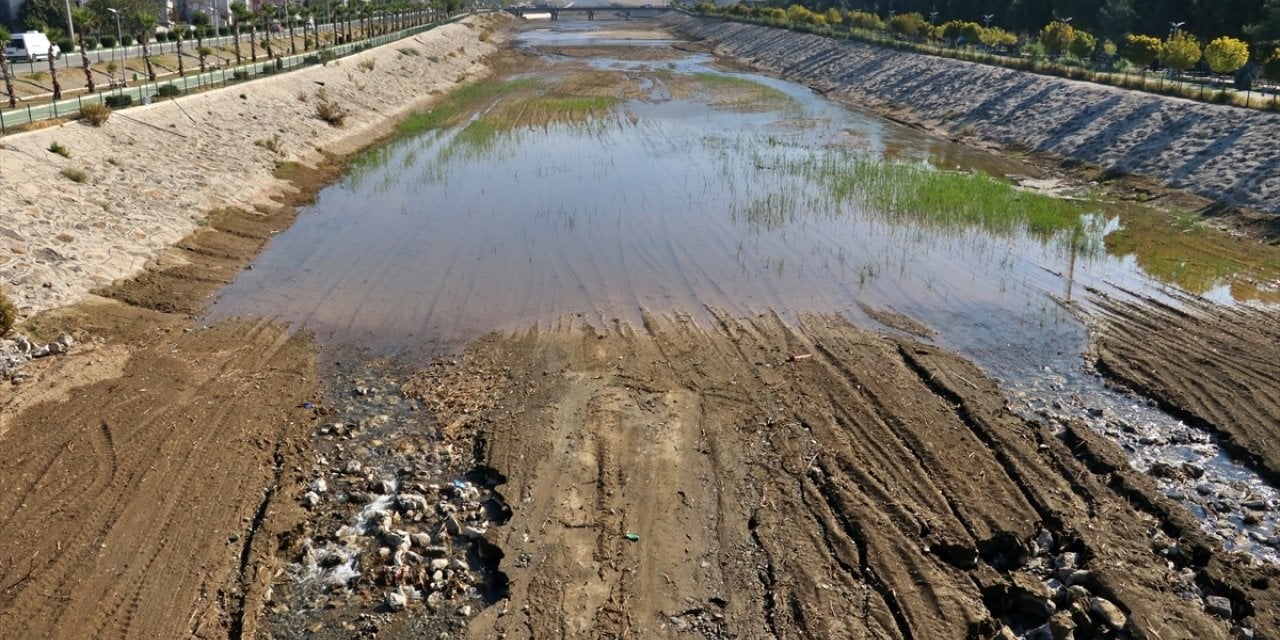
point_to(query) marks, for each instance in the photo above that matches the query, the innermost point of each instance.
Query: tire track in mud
(1215, 368)
(126, 494)
(878, 489)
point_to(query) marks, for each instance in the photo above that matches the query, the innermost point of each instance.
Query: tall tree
(179, 31)
(146, 23)
(238, 13)
(243, 16)
(53, 71)
(200, 24)
(4, 68)
(1265, 33)
(86, 20)
(268, 13)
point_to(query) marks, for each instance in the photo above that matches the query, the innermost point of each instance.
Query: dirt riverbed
(749, 478)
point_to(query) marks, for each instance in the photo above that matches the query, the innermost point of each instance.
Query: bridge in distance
(589, 11)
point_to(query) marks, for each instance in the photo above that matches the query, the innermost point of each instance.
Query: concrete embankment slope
(150, 175)
(1223, 153)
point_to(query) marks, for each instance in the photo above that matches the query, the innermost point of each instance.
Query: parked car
(31, 45)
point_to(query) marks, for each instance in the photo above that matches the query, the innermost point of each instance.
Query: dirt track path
(876, 489)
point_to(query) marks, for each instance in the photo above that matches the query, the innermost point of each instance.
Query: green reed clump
(951, 198)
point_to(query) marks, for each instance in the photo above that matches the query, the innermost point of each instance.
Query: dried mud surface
(819, 481)
(1213, 367)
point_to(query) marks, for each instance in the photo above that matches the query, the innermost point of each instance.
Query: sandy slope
(155, 172)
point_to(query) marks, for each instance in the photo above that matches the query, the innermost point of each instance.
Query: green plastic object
(632, 537)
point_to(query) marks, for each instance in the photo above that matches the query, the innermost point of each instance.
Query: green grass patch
(743, 94)
(946, 198)
(463, 100)
(1176, 247)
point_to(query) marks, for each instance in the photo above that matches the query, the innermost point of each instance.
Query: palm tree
(204, 53)
(240, 13)
(54, 36)
(251, 18)
(200, 22)
(146, 29)
(4, 68)
(289, 14)
(87, 20)
(268, 12)
(179, 29)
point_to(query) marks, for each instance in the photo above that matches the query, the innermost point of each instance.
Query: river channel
(611, 175)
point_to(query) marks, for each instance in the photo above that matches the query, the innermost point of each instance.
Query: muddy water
(669, 193)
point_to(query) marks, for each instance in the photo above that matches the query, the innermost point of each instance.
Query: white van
(31, 45)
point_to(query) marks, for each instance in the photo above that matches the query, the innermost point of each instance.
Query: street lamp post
(119, 42)
(71, 28)
(986, 18)
(1175, 27)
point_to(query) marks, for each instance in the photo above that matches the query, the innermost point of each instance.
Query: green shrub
(59, 149)
(95, 114)
(91, 43)
(8, 314)
(118, 101)
(108, 41)
(126, 40)
(168, 91)
(240, 75)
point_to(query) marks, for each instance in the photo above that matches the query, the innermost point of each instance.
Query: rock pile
(399, 518)
(419, 543)
(17, 350)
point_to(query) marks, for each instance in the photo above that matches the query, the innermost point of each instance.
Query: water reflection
(599, 188)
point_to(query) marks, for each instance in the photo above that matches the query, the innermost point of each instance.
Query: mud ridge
(820, 497)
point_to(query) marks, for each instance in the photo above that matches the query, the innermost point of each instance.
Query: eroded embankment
(1223, 153)
(148, 177)
(821, 481)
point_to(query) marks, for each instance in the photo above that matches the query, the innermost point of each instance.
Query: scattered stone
(353, 467)
(319, 485)
(311, 500)
(474, 533)
(1218, 606)
(397, 601)
(1108, 613)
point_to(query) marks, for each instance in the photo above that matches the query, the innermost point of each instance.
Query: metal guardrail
(143, 93)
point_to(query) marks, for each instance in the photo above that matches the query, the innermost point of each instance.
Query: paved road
(71, 60)
(146, 91)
